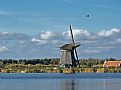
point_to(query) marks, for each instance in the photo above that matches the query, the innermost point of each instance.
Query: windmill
(69, 56)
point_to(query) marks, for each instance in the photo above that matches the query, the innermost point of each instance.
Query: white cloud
(12, 36)
(21, 42)
(46, 34)
(97, 49)
(10, 13)
(91, 51)
(39, 41)
(5, 33)
(3, 49)
(77, 33)
(80, 35)
(105, 47)
(118, 40)
(55, 41)
(108, 33)
(46, 37)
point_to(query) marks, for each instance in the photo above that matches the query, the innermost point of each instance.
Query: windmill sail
(74, 43)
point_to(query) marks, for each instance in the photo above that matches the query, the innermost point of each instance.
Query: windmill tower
(69, 56)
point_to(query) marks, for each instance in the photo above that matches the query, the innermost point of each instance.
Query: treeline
(30, 61)
(90, 62)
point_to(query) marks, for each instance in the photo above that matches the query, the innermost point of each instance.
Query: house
(112, 64)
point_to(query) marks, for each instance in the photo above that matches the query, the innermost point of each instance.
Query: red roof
(112, 64)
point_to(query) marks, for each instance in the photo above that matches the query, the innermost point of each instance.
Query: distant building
(112, 64)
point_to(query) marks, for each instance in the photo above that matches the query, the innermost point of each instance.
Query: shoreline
(36, 69)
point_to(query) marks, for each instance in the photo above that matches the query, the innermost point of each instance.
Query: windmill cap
(70, 46)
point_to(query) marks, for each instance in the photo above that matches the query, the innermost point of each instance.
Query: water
(87, 81)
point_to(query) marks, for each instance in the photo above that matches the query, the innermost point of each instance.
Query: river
(58, 81)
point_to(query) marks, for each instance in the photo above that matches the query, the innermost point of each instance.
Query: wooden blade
(74, 43)
(72, 35)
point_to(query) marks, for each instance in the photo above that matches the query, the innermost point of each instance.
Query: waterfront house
(112, 64)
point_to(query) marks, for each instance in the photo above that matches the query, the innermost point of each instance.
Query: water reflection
(112, 84)
(90, 84)
(69, 84)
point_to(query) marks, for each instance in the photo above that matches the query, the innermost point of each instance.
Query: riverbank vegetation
(52, 66)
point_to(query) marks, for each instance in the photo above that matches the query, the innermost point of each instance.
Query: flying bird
(88, 15)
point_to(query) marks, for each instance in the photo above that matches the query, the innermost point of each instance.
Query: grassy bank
(18, 68)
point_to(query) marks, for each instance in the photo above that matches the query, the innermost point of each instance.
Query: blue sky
(33, 28)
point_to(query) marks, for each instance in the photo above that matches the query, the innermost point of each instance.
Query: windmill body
(67, 58)
(68, 53)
